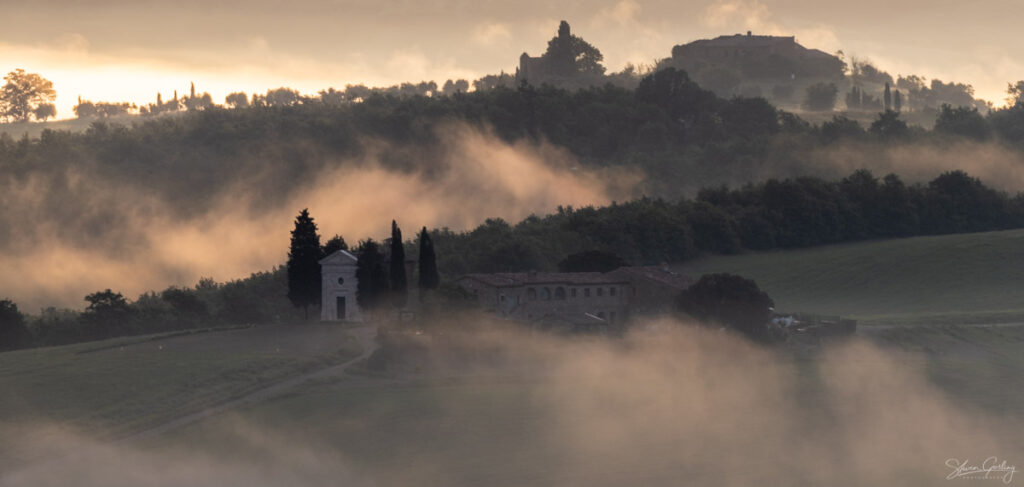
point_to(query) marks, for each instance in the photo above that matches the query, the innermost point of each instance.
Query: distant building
(576, 300)
(338, 287)
(777, 59)
(537, 69)
(569, 300)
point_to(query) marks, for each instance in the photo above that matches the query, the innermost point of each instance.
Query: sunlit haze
(113, 50)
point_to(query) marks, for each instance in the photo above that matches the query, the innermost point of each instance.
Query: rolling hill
(967, 278)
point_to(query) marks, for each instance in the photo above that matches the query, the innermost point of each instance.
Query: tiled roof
(505, 279)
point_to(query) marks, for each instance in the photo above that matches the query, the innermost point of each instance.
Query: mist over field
(668, 404)
(716, 243)
(118, 224)
(135, 235)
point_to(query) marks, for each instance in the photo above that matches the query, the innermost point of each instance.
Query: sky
(129, 50)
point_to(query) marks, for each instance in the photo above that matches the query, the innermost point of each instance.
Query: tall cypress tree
(372, 284)
(304, 264)
(428, 278)
(887, 98)
(897, 101)
(399, 281)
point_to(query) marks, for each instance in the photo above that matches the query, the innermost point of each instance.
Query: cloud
(492, 33)
(621, 14)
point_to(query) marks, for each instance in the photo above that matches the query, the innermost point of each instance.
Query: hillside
(112, 388)
(976, 277)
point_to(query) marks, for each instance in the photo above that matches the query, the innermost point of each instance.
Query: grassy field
(972, 278)
(638, 414)
(500, 430)
(111, 388)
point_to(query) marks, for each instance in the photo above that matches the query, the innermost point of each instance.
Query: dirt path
(365, 335)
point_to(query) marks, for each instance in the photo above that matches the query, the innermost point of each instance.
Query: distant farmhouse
(576, 300)
(565, 300)
(738, 64)
(758, 56)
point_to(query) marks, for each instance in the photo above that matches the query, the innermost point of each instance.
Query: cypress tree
(399, 281)
(373, 280)
(428, 278)
(304, 264)
(897, 101)
(887, 98)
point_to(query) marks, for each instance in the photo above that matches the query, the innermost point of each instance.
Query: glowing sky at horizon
(119, 50)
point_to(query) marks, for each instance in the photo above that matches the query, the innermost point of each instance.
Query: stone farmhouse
(571, 300)
(576, 300)
(778, 58)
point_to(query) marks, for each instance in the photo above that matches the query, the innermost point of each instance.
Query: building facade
(579, 300)
(575, 300)
(339, 285)
(338, 288)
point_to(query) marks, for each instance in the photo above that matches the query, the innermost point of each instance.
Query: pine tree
(304, 264)
(399, 281)
(428, 278)
(373, 280)
(887, 98)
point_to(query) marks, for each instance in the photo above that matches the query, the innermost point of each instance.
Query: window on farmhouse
(572, 292)
(600, 291)
(560, 293)
(531, 294)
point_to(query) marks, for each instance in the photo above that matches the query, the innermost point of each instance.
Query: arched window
(560, 293)
(545, 293)
(531, 294)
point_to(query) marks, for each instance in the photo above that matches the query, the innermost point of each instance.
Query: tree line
(257, 299)
(679, 135)
(775, 214)
(377, 287)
